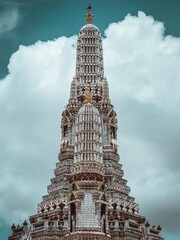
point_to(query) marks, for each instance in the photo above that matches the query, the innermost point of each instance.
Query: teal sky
(24, 22)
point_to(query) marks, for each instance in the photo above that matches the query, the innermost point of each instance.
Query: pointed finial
(25, 223)
(89, 15)
(147, 224)
(159, 228)
(13, 226)
(89, 8)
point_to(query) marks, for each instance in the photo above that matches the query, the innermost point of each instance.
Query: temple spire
(89, 60)
(88, 198)
(89, 15)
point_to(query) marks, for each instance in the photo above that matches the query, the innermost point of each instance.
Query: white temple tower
(88, 198)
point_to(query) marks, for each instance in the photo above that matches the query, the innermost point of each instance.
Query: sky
(142, 64)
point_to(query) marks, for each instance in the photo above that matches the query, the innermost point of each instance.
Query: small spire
(13, 226)
(89, 8)
(147, 224)
(25, 223)
(89, 15)
(159, 228)
(73, 92)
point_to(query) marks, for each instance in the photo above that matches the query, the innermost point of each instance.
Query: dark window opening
(73, 217)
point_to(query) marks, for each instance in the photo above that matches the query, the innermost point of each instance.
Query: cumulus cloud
(142, 67)
(33, 96)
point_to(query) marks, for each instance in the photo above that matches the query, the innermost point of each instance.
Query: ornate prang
(88, 198)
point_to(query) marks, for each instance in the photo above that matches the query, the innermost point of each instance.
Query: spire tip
(89, 15)
(89, 7)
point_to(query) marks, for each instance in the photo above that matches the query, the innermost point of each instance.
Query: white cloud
(143, 69)
(32, 98)
(142, 66)
(150, 59)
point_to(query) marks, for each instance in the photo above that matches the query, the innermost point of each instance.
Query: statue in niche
(103, 223)
(65, 131)
(113, 132)
(64, 144)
